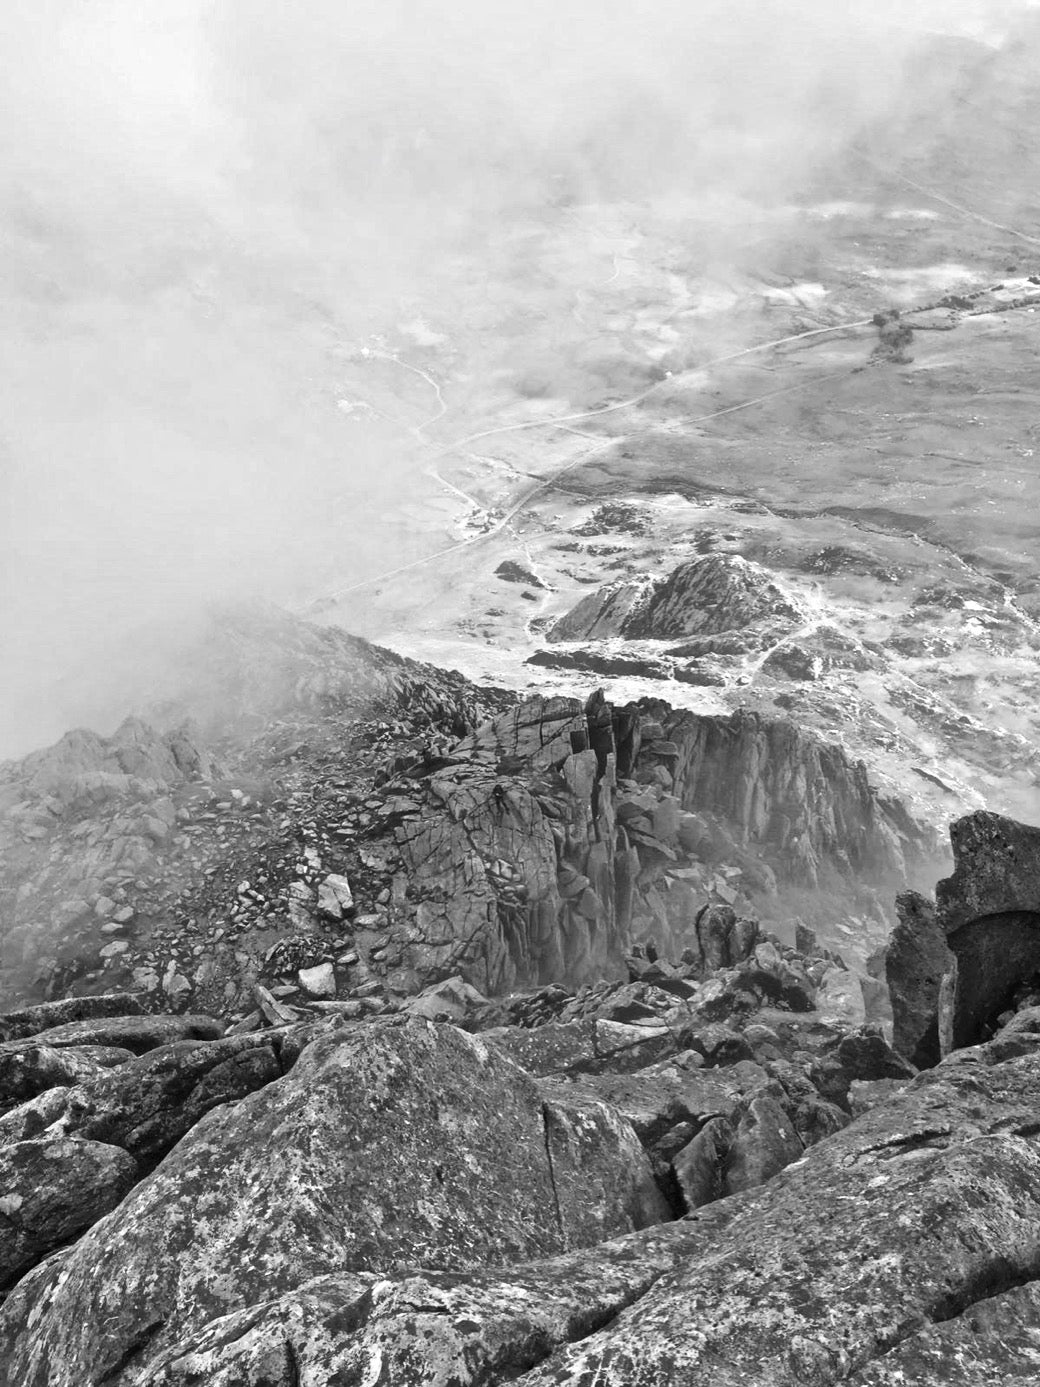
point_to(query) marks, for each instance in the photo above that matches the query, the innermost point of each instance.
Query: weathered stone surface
(335, 898)
(990, 911)
(763, 1144)
(147, 1105)
(898, 1247)
(802, 799)
(996, 870)
(720, 1045)
(905, 1219)
(50, 1190)
(723, 937)
(659, 1097)
(700, 1165)
(16, 1025)
(991, 1344)
(387, 1147)
(33, 1117)
(916, 957)
(450, 1000)
(461, 1329)
(839, 997)
(135, 1033)
(812, 1116)
(554, 1048)
(603, 1184)
(319, 981)
(31, 1069)
(862, 1054)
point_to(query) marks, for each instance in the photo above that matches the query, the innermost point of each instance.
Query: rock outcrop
(916, 959)
(801, 799)
(719, 594)
(989, 910)
(395, 827)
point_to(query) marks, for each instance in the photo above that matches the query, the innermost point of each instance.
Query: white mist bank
(206, 207)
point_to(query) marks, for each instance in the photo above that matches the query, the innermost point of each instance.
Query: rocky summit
(571, 916)
(408, 1032)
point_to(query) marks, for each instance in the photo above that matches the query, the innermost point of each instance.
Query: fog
(207, 207)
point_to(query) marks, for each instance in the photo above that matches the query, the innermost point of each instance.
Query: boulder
(319, 981)
(839, 998)
(50, 1190)
(989, 911)
(656, 1098)
(32, 1069)
(450, 1000)
(700, 1165)
(147, 1105)
(481, 1327)
(916, 957)
(32, 1118)
(863, 1054)
(719, 1044)
(902, 1251)
(763, 1144)
(16, 1025)
(335, 898)
(134, 1033)
(603, 1183)
(555, 1048)
(388, 1146)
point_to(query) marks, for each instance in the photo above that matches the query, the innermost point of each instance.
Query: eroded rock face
(387, 1147)
(780, 786)
(916, 958)
(989, 910)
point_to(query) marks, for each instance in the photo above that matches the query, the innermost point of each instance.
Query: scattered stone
(319, 981)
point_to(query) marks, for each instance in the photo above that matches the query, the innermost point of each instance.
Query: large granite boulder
(989, 910)
(135, 1033)
(146, 1105)
(388, 1147)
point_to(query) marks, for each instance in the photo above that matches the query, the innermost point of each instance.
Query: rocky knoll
(705, 597)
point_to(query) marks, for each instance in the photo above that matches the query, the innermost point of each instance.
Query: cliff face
(362, 834)
(811, 809)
